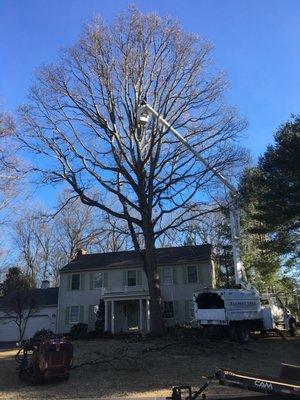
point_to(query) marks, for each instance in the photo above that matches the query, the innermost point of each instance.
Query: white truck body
(226, 306)
(234, 305)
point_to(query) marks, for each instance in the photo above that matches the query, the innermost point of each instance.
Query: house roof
(41, 297)
(165, 256)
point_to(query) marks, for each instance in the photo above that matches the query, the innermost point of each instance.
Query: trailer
(285, 386)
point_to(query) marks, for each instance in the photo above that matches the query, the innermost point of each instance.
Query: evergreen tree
(223, 251)
(271, 193)
(16, 280)
(261, 265)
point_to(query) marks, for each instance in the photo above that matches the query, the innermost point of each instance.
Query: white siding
(180, 291)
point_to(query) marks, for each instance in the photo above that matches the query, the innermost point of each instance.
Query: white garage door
(36, 323)
(9, 330)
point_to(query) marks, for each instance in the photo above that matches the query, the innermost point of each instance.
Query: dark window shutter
(91, 281)
(67, 315)
(81, 313)
(139, 278)
(91, 314)
(176, 309)
(105, 279)
(174, 276)
(82, 281)
(200, 274)
(125, 283)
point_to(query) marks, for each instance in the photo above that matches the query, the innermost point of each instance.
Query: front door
(132, 316)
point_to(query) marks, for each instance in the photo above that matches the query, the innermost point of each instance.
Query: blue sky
(256, 42)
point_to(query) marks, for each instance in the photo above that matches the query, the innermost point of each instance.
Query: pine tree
(271, 193)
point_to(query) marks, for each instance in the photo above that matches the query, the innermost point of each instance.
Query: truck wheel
(242, 332)
(263, 333)
(66, 377)
(232, 332)
(205, 332)
(22, 375)
(292, 328)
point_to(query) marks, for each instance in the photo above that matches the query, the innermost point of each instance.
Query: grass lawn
(134, 372)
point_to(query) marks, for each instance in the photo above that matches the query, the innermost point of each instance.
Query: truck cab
(276, 315)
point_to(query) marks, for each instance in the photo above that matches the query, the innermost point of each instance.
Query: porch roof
(165, 256)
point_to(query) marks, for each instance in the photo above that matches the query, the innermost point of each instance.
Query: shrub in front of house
(100, 317)
(79, 331)
(42, 333)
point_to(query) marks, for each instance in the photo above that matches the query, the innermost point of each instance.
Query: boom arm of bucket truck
(240, 276)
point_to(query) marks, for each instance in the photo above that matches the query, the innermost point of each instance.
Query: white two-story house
(118, 278)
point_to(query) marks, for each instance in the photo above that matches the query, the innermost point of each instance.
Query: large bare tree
(9, 168)
(33, 241)
(75, 226)
(44, 242)
(82, 122)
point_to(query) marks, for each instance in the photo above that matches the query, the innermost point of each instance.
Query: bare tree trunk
(19, 325)
(150, 267)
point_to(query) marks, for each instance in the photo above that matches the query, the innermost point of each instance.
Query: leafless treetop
(82, 121)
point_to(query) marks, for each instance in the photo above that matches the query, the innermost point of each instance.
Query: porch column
(105, 316)
(112, 316)
(141, 315)
(148, 314)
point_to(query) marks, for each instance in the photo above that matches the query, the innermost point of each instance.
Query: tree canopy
(271, 192)
(16, 280)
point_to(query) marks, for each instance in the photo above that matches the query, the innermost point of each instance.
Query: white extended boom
(240, 276)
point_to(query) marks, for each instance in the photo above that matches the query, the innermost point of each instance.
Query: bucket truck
(238, 310)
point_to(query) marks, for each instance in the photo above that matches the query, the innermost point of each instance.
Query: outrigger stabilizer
(287, 385)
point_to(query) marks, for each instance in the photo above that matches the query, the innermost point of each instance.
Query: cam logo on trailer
(263, 385)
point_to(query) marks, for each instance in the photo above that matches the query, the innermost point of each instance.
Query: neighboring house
(44, 315)
(118, 278)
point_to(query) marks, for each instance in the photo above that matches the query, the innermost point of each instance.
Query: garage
(8, 330)
(44, 316)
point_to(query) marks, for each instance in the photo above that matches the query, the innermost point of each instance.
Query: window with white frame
(74, 314)
(75, 282)
(131, 278)
(167, 276)
(192, 274)
(97, 280)
(168, 309)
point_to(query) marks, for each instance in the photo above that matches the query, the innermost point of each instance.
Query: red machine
(43, 358)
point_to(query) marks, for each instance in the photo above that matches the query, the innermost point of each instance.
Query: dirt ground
(144, 369)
